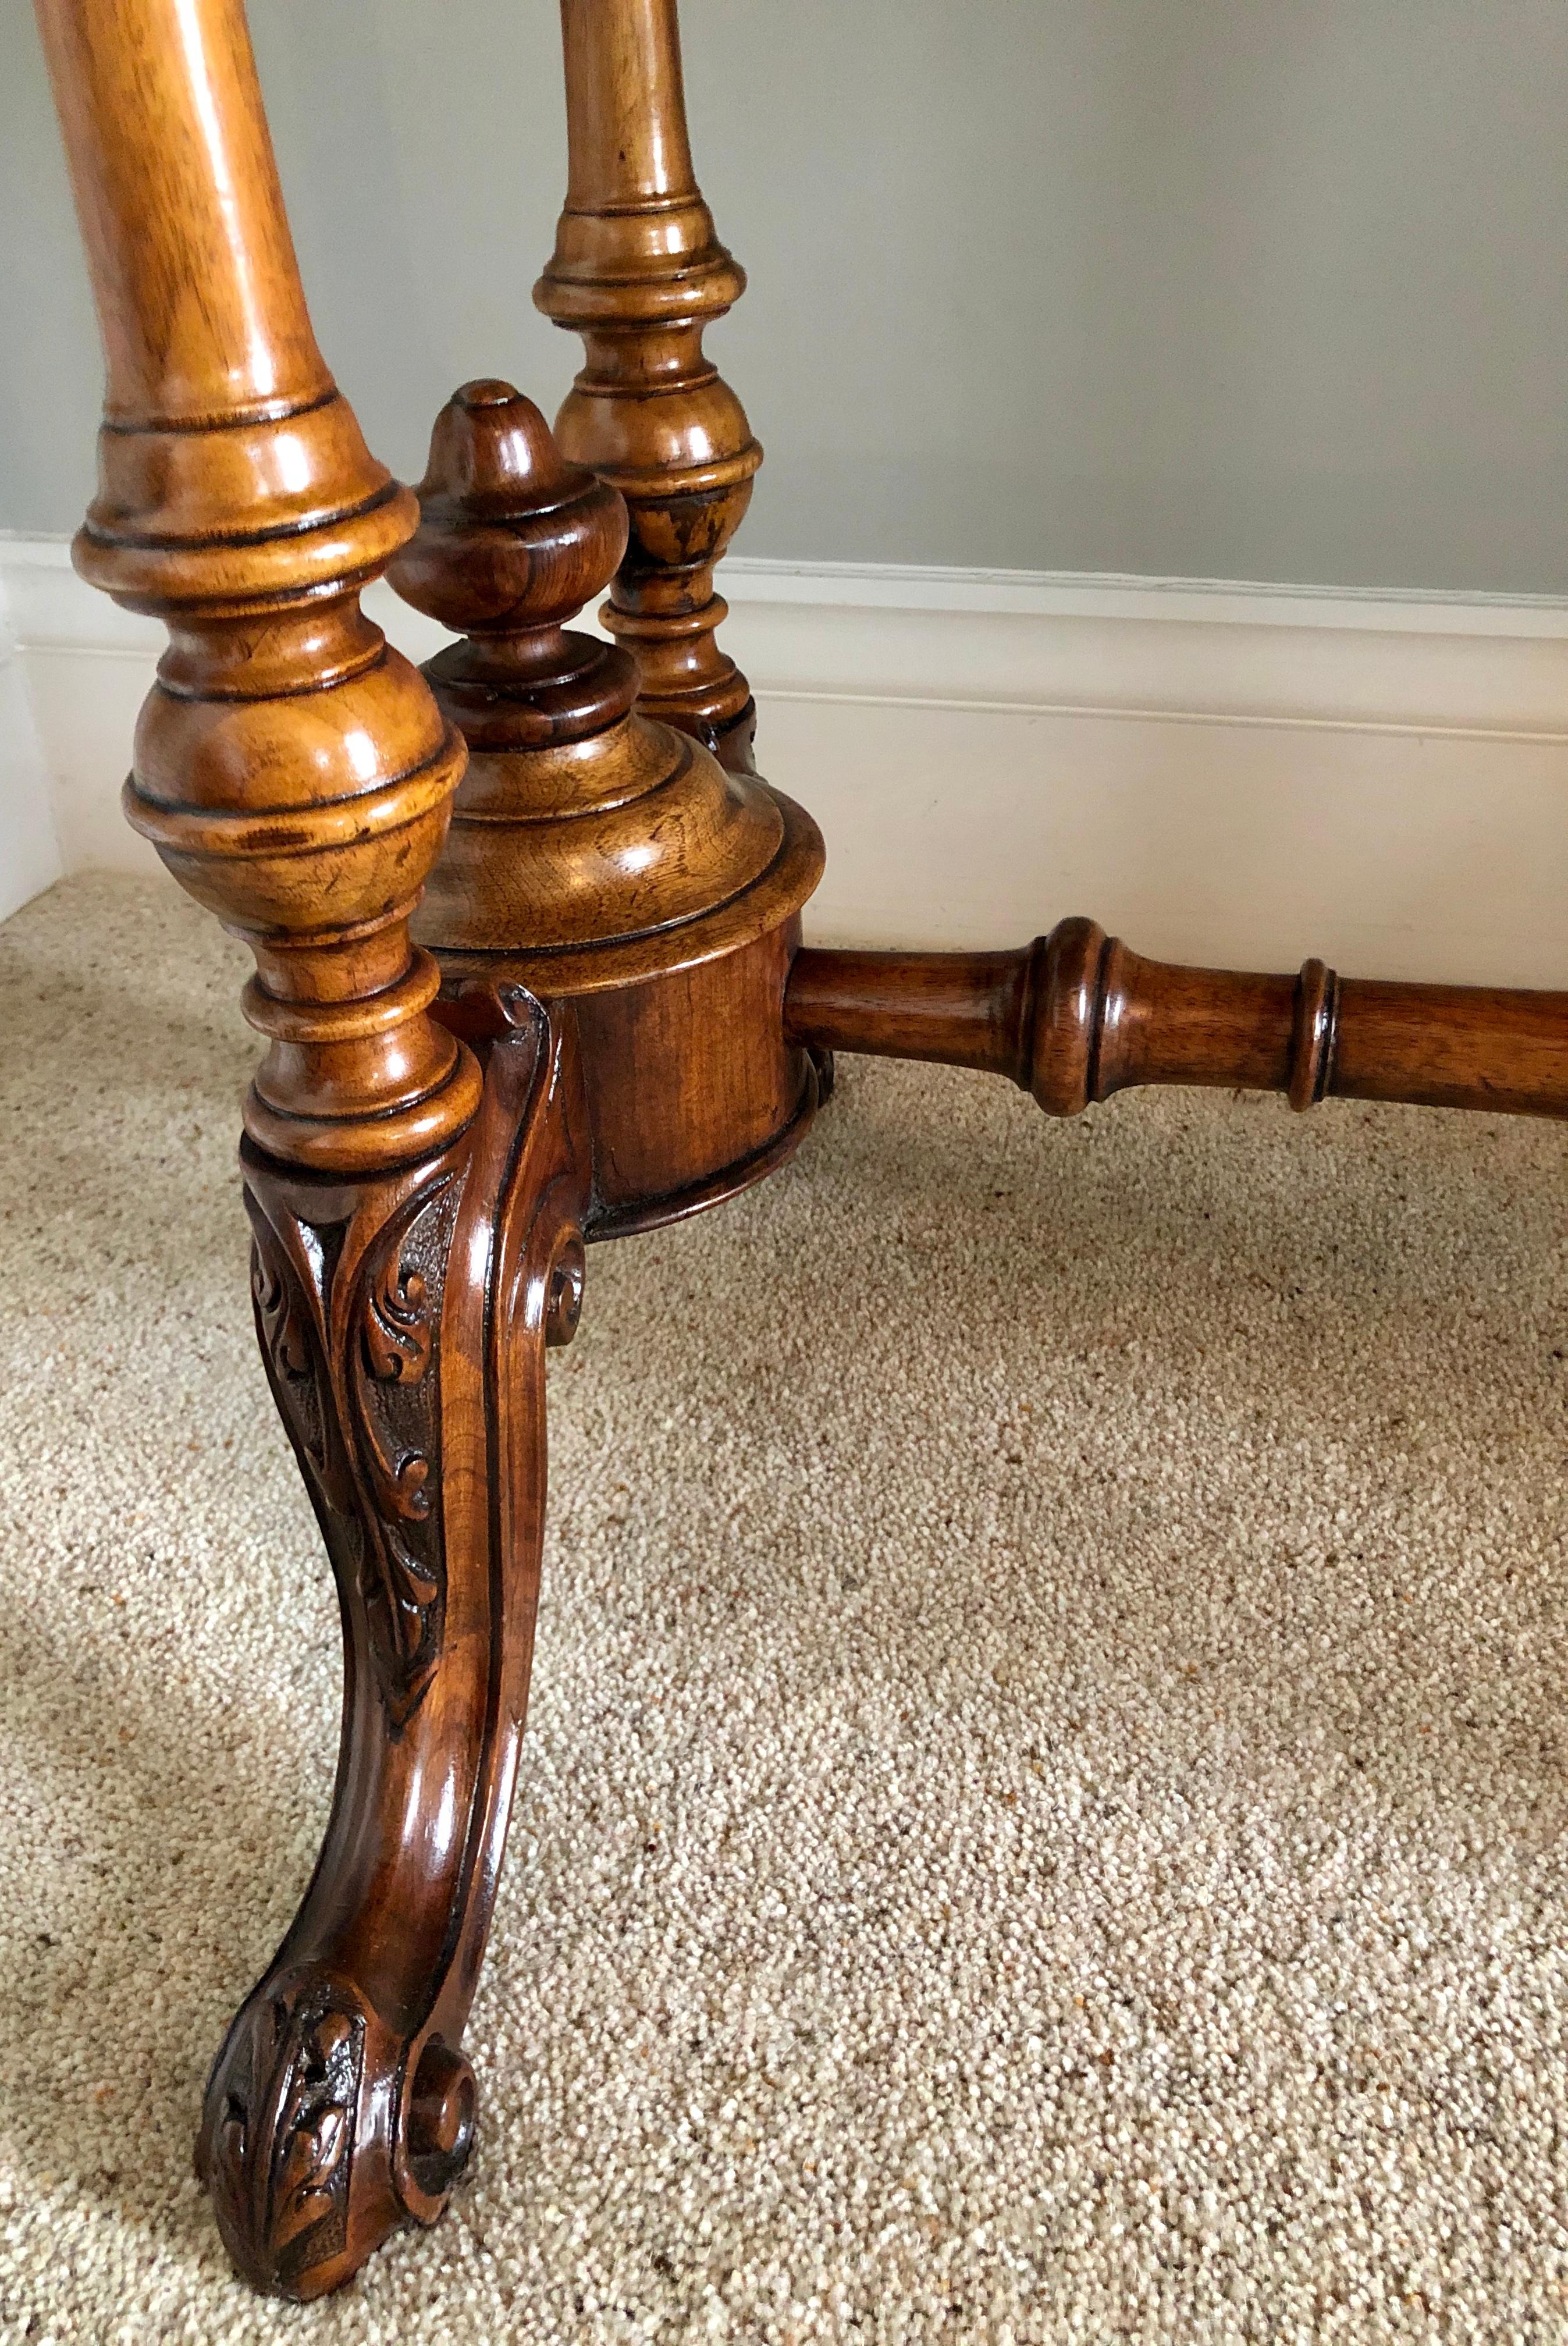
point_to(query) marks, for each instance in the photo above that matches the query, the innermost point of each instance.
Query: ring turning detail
(1077, 1015)
(1313, 1034)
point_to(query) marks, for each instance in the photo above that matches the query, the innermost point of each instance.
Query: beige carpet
(1044, 1812)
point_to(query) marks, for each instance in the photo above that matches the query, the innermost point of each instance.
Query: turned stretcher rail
(1076, 1016)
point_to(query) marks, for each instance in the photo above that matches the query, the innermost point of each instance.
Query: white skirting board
(1239, 774)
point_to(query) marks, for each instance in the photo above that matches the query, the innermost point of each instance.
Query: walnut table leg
(403, 1320)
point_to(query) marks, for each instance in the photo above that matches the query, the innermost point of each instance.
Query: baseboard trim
(981, 707)
(1235, 772)
(1113, 594)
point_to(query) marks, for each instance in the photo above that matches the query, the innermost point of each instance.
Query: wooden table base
(528, 964)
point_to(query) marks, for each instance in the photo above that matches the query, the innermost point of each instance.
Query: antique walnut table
(528, 964)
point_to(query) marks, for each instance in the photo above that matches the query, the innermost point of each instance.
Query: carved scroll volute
(638, 271)
(293, 774)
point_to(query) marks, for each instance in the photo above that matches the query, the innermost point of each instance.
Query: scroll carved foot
(403, 1321)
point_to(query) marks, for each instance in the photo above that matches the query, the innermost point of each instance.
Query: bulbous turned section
(292, 772)
(296, 777)
(579, 823)
(638, 271)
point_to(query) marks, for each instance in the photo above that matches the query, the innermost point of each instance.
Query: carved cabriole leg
(403, 1320)
(596, 856)
(415, 1242)
(639, 273)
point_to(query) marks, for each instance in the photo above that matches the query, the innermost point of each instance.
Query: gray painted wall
(1247, 289)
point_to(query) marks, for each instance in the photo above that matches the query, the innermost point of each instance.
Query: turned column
(238, 502)
(638, 271)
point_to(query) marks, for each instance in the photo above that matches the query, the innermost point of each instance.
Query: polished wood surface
(596, 854)
(638, 271)
(695, 1091)
(1076, 1016)
(403, 1320)
(578, 822)
(293, 774)
(609, 1020)
(417, 1227)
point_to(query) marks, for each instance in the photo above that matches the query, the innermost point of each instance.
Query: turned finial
(513, 538)
(638, 271)
(513, 541)
(552, 844)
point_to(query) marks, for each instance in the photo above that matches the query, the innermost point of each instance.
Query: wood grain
(597, 855)
(639, 272)
(293, 774)
(417, 1238)
(609, 1021)
(1076, 1017)
(404, 1319)
(578, 822)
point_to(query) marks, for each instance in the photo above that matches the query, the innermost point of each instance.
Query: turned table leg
(629, 1030)
(417, 1223)
(639, 272)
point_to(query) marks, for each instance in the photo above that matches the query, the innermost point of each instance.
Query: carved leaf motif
(321, 2099)
(351, 1338)
(233, 2131)
(398, 1330)
(282, 1327)
(394, 1429)
(400, 1484)
(290, 1320)
(285, 2140)
(408, 1482)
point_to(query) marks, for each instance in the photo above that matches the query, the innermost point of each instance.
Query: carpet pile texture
(1043, 1809)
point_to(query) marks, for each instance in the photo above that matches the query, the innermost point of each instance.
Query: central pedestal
(693, 1090)
(598, 858)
